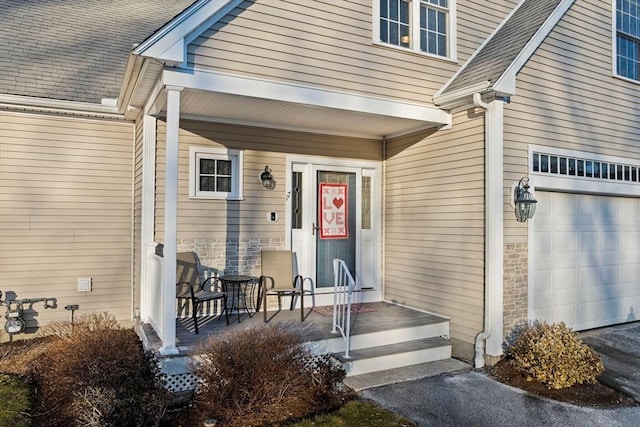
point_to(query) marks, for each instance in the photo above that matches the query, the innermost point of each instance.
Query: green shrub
(96, 373)
(262, 376)
(552, 354)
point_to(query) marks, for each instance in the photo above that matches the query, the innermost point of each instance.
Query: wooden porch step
(391, 356)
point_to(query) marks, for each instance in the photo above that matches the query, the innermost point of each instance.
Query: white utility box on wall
(84, 284)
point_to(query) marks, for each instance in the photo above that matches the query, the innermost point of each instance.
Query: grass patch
(15, 401)
(357, 413)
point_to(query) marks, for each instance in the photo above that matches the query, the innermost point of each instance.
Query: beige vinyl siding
(567, 98)
(330, 44)
(318, 43)
(65, 211)
(219, 219)
(434, 223)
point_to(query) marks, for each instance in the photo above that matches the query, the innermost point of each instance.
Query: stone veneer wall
(516, 282)
(232, 256)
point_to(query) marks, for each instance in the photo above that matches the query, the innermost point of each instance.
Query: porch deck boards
(385, 316)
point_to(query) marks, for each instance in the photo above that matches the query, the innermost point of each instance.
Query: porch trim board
(306, 95)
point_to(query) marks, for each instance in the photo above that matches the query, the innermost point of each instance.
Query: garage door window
(586, 168)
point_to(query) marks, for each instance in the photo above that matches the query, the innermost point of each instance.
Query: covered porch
(385, 337)
(251, 122)
(166, 208)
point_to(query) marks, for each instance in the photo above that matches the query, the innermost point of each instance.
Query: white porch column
(148, 213)
(494, 239)
(170, 222)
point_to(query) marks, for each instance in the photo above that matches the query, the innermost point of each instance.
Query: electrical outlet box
(272, 217)
(84, 284)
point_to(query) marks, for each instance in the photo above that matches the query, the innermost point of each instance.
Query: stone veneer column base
(516, 284)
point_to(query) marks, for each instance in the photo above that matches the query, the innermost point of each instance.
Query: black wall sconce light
(267, 179)
(523, 201)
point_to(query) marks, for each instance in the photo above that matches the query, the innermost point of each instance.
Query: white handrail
(344, 285)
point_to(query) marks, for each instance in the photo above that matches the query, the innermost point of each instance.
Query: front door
(334, 212)
(335, 227)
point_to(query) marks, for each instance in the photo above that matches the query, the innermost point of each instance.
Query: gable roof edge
(169, 43)
(444, 88)
(506, 83)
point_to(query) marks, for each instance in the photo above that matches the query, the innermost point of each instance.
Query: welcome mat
(327, 310)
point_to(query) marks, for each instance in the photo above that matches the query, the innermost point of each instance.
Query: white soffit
(283, 115)
(243, 100)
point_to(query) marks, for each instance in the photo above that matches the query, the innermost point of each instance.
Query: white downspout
(489, 341)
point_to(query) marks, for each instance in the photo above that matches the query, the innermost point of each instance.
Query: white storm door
(359, 245)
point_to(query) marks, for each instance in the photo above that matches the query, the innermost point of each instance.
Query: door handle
(313, 229)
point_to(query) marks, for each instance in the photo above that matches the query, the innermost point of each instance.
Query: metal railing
(344, 285)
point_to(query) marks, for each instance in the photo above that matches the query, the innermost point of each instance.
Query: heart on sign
(338, 203)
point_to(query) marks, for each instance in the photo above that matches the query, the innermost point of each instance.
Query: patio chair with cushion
(191, 288)
(278, 279)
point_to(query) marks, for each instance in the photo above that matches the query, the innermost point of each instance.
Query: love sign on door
(333, 211)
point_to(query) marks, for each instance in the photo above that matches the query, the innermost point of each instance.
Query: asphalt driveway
(473, 399)
(470, 398)
(619, 347)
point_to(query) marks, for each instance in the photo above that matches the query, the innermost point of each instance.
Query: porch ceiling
(251, 101)
(229, 108)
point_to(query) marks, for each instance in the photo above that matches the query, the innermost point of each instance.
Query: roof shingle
(74, 50)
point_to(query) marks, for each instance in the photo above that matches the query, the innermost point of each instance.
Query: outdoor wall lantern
(267, 178)
(523, 201)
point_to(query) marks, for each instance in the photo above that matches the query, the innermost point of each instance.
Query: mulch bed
(588, 395)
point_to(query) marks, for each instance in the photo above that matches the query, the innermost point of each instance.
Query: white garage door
(586, 260)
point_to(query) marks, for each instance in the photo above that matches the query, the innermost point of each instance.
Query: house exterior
(125, 125)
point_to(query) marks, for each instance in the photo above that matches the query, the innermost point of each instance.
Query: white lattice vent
(177, 383)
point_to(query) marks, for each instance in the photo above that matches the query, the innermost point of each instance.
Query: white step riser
(374, 339)
(398, 360)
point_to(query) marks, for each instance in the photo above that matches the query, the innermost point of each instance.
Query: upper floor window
(421, 25)
(215, 173)
(628, 39)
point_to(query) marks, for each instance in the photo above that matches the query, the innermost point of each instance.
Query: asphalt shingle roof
(74, 50)
(501, 50)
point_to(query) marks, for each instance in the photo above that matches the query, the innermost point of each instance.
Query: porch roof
(161, 61)
(251, 101)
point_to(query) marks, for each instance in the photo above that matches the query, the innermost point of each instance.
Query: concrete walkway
(470, 398)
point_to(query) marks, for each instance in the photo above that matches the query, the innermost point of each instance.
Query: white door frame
(303, 238)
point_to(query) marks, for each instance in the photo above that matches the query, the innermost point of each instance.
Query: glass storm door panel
(335, 227)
